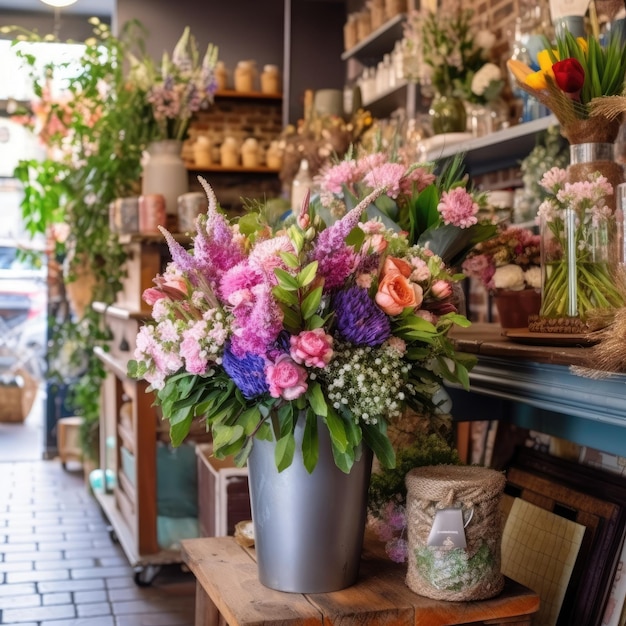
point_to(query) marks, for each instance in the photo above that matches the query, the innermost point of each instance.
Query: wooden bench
(228, 590)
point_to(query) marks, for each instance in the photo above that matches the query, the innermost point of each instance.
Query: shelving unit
(499, 150)
(371, 49)
(130, 425)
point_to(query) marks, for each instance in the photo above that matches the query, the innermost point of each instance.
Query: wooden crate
(223, 498)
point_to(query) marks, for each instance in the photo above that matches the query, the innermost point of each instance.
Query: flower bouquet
(438, 212)
(255, 327)
(508, 266)
(182, 85)
(579, 253)
(582, 83)
(511, 260)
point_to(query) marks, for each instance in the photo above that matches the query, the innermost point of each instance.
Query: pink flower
(286, 379)
(441, 289)
(313, 348)
(335, 177)
(388, 175)
(457, 207)
(152, 295)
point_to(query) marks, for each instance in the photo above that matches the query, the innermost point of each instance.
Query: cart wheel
(145, 575)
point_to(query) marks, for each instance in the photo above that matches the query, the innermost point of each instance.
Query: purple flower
(359, 320)
(247, 372)
(336, 260)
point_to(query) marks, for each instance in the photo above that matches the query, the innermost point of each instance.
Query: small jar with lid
(202, 149)
(250, 153)
(270, 79)
(229, 152)
(221, 76)
(274, 155)
(245, 76)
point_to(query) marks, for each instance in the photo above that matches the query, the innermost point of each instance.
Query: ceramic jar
(164, 172)
(245, 76)
(152, 213)
(202, 152)
(274, 156)
(221, 76)
(270, 79)
(250, 152)
(229, 152)
(190, 205)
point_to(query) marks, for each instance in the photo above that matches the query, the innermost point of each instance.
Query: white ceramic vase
(164, 172)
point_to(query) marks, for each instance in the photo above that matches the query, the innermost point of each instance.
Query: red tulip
(569, 75)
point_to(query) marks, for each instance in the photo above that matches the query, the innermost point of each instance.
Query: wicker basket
(17, 396)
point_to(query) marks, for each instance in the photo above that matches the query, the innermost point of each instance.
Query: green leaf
(180, 430)
(380, 445)
(310, 443)
(317, 399)
(284, 451)
(337, 429)
(286, 280)
(344, 460)
(291, 319)
(311, 303)
(226, 435)
(287, 297)
(307, 274)
(290, 259)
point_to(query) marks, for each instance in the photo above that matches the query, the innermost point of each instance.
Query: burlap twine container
(459, 574)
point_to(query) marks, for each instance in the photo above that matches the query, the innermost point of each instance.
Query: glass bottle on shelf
(301, 184)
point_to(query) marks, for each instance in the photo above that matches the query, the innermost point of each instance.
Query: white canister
(190, 205)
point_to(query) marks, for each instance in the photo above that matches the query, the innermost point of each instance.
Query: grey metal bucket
(308, 528)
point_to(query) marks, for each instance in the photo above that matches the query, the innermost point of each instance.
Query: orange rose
(393, 265)
(396, 292)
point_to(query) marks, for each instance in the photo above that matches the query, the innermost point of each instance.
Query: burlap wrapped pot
(459, 574)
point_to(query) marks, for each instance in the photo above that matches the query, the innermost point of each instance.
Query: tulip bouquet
(257, 328)
(582, 83)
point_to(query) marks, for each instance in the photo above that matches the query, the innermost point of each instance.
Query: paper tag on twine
(448, 529)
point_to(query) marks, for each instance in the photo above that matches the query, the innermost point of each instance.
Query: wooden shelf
(232, 170)
(498, 150)
(247, 95)
(377, 43)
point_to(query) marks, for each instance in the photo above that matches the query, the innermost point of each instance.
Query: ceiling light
(59, 3)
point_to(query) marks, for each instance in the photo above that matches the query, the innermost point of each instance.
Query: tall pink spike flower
(336, 260)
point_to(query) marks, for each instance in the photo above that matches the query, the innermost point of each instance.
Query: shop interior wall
(249, 29)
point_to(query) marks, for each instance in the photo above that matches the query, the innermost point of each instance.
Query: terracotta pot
(514, 307)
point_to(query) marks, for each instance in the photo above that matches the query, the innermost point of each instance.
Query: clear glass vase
(579, 255)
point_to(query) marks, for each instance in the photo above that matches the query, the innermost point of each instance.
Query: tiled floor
(58, 564)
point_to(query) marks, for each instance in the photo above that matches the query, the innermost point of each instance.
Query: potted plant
(509, 267)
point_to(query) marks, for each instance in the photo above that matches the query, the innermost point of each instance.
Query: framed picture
(593, 498)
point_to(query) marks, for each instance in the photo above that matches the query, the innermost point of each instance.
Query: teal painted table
(533, 386)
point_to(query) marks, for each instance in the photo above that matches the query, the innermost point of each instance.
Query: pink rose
(441, 289)
(313, 348)
(286, 379)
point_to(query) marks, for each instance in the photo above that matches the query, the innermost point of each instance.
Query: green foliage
(94, 159)
(389, 484)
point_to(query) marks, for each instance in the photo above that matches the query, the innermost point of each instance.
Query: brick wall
(240, 118)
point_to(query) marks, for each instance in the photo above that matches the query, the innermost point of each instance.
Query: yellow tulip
(545, 60)
(537, 80)
(582, 44)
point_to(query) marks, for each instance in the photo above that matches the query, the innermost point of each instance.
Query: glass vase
(586, 158)
(448, 114)
(579, 255)
(164, 173)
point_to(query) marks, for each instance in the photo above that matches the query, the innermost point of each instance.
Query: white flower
(532, 276)
(485, 39)
(509, 277)
(487, 74)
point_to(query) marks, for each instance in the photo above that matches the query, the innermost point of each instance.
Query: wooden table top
(491, 340)
(228, 574)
